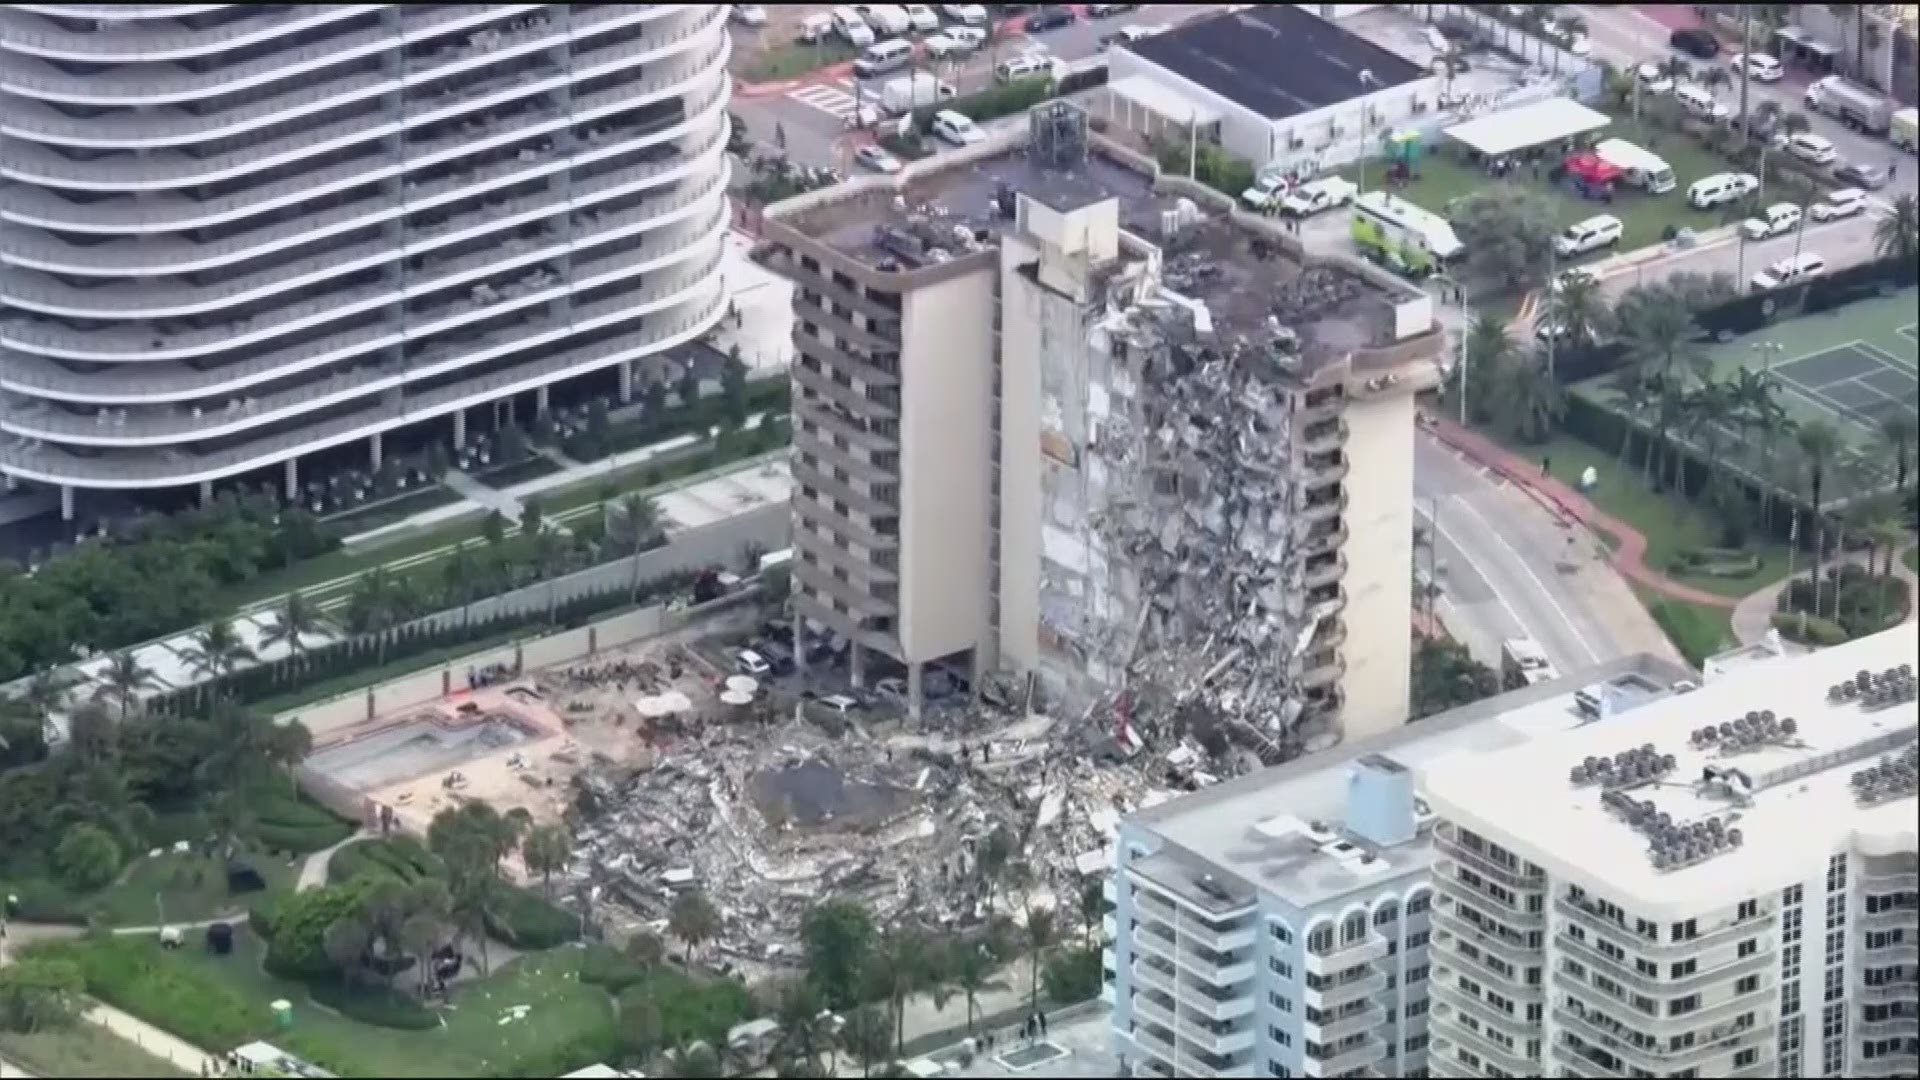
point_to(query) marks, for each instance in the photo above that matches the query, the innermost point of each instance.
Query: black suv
(1697, 43)
(1049, 17)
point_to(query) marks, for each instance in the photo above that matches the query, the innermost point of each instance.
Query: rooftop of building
(1235, 54)
(1258, 831)
(1794, 793)
(1248, 281)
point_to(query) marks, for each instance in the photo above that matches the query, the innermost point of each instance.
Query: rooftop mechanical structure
(232, 236)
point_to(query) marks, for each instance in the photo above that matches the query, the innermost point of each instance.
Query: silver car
(878, 160)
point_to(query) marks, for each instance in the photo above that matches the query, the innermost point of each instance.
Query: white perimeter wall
(1379, 553)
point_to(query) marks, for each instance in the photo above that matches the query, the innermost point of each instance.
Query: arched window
(1321, 938)
(1353, 928)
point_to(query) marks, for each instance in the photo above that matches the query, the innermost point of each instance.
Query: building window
(1683, 1005)
(1417, 973)
(1684, 968)
(1274, 1068)
(1280, 967)
(1747, 984)
(1418, 938)
(1353, 929)
(1417, 1008)
(1320, 939)
(1419, 903)
(1280, 933)
(1278, 1035)
(1748, 947)
(1280, 1001)
(1416, 1043)
(1386, 915)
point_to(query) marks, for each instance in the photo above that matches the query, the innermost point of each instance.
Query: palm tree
(1488, 350)
(693, 921)
(298, 618)
(1709, 409)
(1529, 399)
(548, 848)
(1818, 440)
(375, 607)
(125, 676)
(460, 579)
(216, 649)
(800, 1013)
(1578, 308)
(972, 967)
(1746, 71)
(1040, 934)
(1660, 340)
(642, 515)
(1897, 435)
(1897, 236)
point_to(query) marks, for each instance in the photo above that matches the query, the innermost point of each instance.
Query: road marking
(832, 100)
(1594, 656)
(1484, 576)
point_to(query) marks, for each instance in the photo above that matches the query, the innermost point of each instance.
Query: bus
(1394, 232)
(1524, 663)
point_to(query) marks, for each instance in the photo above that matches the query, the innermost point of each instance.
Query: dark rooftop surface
(1276, 59)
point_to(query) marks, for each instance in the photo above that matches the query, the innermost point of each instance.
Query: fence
(325, 718)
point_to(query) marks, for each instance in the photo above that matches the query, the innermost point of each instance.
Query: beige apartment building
(1054, 423)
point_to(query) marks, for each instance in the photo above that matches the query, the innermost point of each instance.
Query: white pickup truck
(1267, 191)
(1314, 196)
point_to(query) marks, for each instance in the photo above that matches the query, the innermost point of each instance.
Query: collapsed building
(1066, 423)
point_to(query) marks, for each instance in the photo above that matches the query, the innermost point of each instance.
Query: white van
(956, 128)
(1790, 271)
(1721, 188)
(1807, 146)
(877, 60)
(1839, 203)
(1699, 101)
(886, 18)
(816, 27)
(1645, 170)
(1021, 67)
(849, 25)
(1590, 235)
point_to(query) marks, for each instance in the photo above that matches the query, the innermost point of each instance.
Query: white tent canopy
(1538, 124)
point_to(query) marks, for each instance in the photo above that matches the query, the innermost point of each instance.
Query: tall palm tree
(1578, 308)
(693, 920)
(1746, 72)
(1897, 236)
(216, 649)
(1040, 933)
(1818, 440)
(125, 676)
(1897, 435)
(972, 967)
(378, 603)
(1660, 339)
(298, 618)
(1530, 401)
(460, 579)
(1709, 412)
(1488, 349)
(642, 515)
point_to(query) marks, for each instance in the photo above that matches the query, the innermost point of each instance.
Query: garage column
(206, 493)
(914, 690)
(459, 429)
(800, 644)
(293, 479)
(540, 400)
(66, 502)
(626, 383)
(857, 664)
(374, 448)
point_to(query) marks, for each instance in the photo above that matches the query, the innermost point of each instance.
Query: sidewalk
(1629, 558)
(180, 1054)
(1753, 615)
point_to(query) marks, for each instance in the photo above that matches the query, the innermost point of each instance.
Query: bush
(991, 103)
(1698, 633)
(1808, 629)
(295, 948)
(1071, 974)
(400, 857)
(525, 921)
(38, 899)
(610, 969)
(378, 1006)
(134, 974)
(285, 821)
(1715, 562)
(88, 857)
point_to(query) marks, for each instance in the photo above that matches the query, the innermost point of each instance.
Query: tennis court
(1858, 382)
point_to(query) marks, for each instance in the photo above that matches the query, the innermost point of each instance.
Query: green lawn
(1670, 524)
(570, 1023)
(1912, 559)
(82, 1050)
(790, 61)
(181, 888)
(1696, 630)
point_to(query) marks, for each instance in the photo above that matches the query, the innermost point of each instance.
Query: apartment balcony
(1892, 993)
(1322, 668)
(1446, 841)
(1899, 1027)
(855, 499)
(830, 422)
(1886, 1065)
(1362, 1053)
(1450, 1005)
(1730, 968)
(1326, 468)
(1315, 510)
(33, 37)
(829, 356)
(1149, 974)
(1456, 891)
(1887, 873)
(1211, 1003)
(1327, 408)
(822, 548)
(166, 214)
(1448, 923)
(1157, 1041)
(860, 337)
(1656, 1054)
(820, 281)
(1354, 1019)
(1589, 916)
(1324, 570)
(1214, 971)
(861, 469)
(867, 405)
(1229, 939)
(1220, 1040)
(52, 465)
(1152, 903)
(847, 594)
(1330, 996)
(1322, 437)
(532, 31)
(1144, 1007)
(1888, 919)
(822, 515)
(1324, 536)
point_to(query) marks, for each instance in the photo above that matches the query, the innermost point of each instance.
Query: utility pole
(1746, 71)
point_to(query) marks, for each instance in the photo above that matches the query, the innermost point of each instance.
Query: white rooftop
(1251, 827)
(1537, 124)
(1525, 795)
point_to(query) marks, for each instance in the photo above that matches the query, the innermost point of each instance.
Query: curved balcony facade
(233, 235)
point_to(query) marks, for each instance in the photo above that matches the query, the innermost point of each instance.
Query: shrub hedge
(133, 974)
(379, 1006)
(527, 922)
(1809, 629)
(398, 856)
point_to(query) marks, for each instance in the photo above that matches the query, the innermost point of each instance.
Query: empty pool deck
(412, 748)
(721, 497)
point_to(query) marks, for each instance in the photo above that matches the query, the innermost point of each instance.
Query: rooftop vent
(1743, 733)
(1894, 686)
(1629, 768)
(1673, 845)
(1893, 778)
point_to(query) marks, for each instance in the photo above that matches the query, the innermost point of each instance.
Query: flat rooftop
(1243, 277)
(1798, 805)
(1239, 826)
(1237, 55)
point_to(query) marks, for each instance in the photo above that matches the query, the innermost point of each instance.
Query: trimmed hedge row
(1808, 629)
(529, 923)
(402, 857)
(378, 1006)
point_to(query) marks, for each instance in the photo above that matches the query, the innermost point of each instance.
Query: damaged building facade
(1146, 467)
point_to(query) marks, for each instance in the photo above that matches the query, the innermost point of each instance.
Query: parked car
(955, 41)
(1812, 148)
(750, 14)
(1653, 80)
(838, 704)
(751, 663)
(1721, 188)
(1596, 232)
(966, 14)
(1698, 43)
(1104, 11)
(1843, 202)
(1049, 17)
(1760, 66)
(923, 18)
(865, 115)
(1267, 192)
(1870, 177)
(1317, 195)
(873, 157)
(1775, 220)
(957, 129)
(1789, 270)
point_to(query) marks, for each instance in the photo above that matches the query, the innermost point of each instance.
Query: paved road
(1507, 569)
(1627, 36)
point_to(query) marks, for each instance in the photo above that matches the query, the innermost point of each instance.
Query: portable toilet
(282, 1013)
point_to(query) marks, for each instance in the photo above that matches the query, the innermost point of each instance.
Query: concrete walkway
(313, 871)
(477, 492)
(1629, 557)
(1753, 615)
(177, 1052)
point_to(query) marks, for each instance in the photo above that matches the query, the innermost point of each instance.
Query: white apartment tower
(1722, 883)
(234, 235)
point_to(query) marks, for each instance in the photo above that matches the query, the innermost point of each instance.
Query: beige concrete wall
(946, 376)
(556, 648)
(1379, 563)
(1020, 460)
